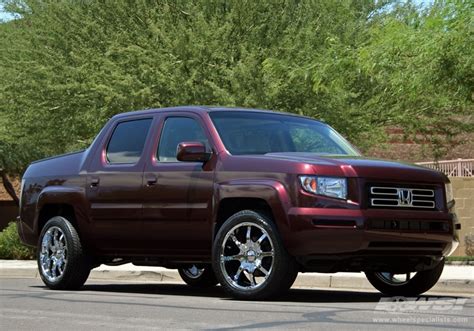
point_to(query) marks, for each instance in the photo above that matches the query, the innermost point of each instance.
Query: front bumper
(327, 233)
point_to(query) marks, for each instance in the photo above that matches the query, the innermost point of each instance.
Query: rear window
(127, 141)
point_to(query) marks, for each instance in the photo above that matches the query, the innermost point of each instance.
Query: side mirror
(193, 151)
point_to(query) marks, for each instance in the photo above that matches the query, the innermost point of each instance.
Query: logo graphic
(415, 304)
(405, 197)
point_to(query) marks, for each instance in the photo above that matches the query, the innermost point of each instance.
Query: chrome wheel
(193, 272)
(408, 283)
(198, 275)
(395, 279)
(53, 254)
(247, 256)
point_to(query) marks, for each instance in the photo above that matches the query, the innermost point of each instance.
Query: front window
(175, 131)
(247, 132)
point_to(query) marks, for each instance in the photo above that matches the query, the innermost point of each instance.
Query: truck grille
(402, 197)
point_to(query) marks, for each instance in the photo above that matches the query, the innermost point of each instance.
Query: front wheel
(407, 284)
(198, 275)
(62, 263)
(249, 258)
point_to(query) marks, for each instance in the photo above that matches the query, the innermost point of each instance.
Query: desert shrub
(11, 247)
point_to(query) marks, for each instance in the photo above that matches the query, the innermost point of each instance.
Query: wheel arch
(61, 201)
(267, 196)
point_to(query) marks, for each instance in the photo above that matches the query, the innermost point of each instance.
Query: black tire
(421, 282)
(255, 258)
(198, 275)
(76, 265)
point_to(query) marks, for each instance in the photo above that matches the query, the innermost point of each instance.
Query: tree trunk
(9, 187)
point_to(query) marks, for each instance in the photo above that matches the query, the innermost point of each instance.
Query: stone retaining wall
(463, 188)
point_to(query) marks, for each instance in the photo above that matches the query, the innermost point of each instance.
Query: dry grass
(16, 184)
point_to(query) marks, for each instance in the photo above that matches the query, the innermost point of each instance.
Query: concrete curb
(469, 262)
(309, 280)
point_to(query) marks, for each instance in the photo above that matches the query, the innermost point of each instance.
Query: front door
(177, 205)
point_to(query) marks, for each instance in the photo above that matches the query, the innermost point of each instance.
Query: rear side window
(177, 130)
(127, 141)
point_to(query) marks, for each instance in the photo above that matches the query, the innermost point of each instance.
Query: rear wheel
(249, 258)
(407, 284)
(198, 275)
(62, 263)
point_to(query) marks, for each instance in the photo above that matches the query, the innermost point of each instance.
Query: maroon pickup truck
(241, 197)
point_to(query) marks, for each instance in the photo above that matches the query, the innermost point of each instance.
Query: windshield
(247, 132)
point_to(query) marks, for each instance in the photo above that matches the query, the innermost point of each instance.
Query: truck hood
(358, 166)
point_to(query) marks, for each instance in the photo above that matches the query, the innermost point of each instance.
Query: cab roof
(202, 109)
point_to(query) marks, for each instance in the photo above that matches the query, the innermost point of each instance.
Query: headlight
(329, 186)
(449, 192)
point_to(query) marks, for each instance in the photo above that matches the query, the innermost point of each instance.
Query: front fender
(273, 192)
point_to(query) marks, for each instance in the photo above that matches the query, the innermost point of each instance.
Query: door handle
(151, 180)
(95, 182)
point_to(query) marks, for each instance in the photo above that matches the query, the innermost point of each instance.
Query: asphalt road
(25, 304)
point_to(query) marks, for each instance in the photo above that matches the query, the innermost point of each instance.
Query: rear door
(114, 186)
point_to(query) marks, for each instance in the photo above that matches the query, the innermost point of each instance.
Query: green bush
(460, 258)
(11, 247)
